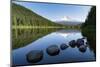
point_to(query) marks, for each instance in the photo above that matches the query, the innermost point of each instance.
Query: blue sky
(56, 12)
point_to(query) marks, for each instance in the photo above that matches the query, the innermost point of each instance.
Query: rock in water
(87, 43)
(63, 46)
(34, 56)
(80, 42)
(72, 43)
(82, 48)
(53, 50)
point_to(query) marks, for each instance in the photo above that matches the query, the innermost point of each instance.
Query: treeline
(91, 18)
(90, 23)
(23, 37)
(22, 16)
(89, 28)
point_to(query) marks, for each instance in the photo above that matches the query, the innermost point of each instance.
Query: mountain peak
(65, 18)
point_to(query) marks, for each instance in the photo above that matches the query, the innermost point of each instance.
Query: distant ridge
(70, 23)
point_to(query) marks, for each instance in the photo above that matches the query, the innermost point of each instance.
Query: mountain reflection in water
(55, 38)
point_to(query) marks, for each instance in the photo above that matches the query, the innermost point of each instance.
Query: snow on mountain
(68, 21)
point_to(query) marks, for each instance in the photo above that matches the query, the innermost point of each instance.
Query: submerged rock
(34, 56)
(63, 46)
(72, 43)
(79, 42)
(82, 48)
(53, 50)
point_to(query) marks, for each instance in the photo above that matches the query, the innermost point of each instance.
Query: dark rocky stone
(82, 48)
(63, 46)
(79, 42)
(87, 43)
(34, 56)
(72, 43)
(53, 50)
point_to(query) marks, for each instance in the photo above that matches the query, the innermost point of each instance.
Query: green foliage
(90, 23)
(22, 16)
(89, 28)
(27, 26)
(22, 37)
(91, 18)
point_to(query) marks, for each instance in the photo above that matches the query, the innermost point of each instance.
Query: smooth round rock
(63, 46)
(79, 42)
(34, 56)
(82, 48)
(72, 43)
(53, 50)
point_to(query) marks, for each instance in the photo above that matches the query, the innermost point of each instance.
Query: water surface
(54, 38)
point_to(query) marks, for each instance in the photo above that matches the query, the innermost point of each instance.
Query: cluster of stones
(35, 56)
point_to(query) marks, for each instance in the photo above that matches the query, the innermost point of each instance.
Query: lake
(42, 39)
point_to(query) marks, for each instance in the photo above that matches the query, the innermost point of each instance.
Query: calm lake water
(54, 38)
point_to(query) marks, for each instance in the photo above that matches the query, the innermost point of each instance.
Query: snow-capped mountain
(68, 21)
